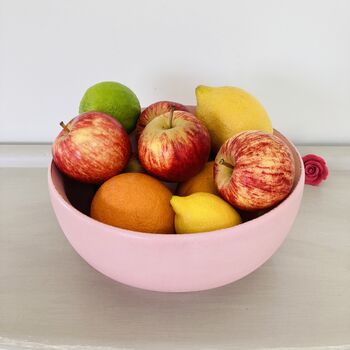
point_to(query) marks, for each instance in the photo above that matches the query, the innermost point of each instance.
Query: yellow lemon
(202, 212)
(228, 110)
(202, 182)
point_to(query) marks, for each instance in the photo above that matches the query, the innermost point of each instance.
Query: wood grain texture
(51, 299)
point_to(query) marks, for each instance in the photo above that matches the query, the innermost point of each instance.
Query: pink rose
(315, 169)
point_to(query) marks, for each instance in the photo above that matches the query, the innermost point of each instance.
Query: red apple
(154, 110)
(254, 170)
(174, 146)
(91, 148)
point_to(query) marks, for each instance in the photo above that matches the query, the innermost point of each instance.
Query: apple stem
(222, 162)
(171, 119)
(65, 127)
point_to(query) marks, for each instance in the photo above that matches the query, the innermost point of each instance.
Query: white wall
(293, 55)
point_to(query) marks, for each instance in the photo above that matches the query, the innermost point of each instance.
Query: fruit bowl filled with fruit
(174, 198)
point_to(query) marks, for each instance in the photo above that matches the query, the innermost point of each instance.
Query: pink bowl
(172, 263)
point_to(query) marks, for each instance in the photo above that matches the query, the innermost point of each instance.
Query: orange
(202, 182)
(134, 201)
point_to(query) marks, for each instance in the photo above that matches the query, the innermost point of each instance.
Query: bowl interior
(80, 195)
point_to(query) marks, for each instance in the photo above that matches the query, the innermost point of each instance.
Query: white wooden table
(51, 299)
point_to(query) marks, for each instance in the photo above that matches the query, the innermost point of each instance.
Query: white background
(294, 56)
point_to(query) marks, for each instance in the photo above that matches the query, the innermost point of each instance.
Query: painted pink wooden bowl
(172, 263)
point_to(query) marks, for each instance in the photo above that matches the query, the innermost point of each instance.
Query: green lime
(114, 99)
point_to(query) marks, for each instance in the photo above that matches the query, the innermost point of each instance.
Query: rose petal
(313, 182)
(315, 169)
(325, 172)
(311, 169)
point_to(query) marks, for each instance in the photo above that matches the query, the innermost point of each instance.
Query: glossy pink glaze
(177, 263)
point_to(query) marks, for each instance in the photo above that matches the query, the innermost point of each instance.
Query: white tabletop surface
(51, 299)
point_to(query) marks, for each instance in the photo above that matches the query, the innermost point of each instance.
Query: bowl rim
(198, 235)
